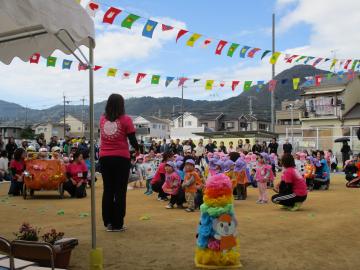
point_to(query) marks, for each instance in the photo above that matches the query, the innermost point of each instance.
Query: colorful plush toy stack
(217, 244)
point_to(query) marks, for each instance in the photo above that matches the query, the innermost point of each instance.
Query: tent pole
(96, 255)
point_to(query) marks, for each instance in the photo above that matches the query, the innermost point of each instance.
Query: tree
(27, 133)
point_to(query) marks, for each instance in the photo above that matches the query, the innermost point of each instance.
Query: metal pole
(64, 119)
(82, 116)
(292, 123)
(182, 106)
(272, 76)
(92, 144)
(317, 138)
(250, 105)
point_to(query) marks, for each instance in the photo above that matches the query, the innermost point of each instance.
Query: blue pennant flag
(149, 28)
(168, 81)
(66, 64)
(340, 75)
(243, 51)
(259, 86)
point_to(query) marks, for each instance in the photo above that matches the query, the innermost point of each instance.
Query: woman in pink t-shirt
(116, 128)
(292, 188)
(77, 176)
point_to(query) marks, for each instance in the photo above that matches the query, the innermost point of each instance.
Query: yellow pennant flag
(111, 72)
(296, 83)
(193, 39)
(209, 84)
(274, 57)
(334, 61)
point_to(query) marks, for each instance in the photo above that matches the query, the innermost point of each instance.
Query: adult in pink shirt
(116, 129)
(77, 176)
(292, 188)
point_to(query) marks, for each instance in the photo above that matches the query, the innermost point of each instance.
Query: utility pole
(65, 102)
(182, 105)
(292, 123)
(82, 115)
(251, 105)
(273, 76)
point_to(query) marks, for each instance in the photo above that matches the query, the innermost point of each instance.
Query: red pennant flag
(206, 42)
(291, 58)
(126, 75)
(272, 85)
(182, 80)
(318, 79)
(82, 67)
(220, 46)
(35, 58)
(181, 33)
(140, 76)
(222, 84)
(234, 84)
(97, 68)
(252, 52)
(92, 7)
(347, 63)
(165, 27)
(110, 15)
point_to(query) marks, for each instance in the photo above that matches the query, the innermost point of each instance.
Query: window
(40, 129)
(262, 126)
(163, 127)
(188, 123)
(205, 125)
(230, 125)
(243, 125)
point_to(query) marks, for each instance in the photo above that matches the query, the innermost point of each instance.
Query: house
(184, 126)
(331, 111)
(152, 127)
(250, 122)
(284, 115)
(211, 121)
(49, 130)
(8, 130)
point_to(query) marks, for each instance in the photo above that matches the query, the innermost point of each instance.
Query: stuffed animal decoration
(217, 245)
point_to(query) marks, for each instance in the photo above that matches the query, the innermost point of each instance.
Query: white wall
(185, 133)
(190, 121)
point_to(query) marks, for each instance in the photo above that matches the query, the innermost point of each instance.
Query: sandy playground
(325, 234)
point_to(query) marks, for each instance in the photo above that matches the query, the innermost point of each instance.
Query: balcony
(322, 112)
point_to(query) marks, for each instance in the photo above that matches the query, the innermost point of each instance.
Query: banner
(206, 42)
(234, 84)
(82, 67)
(274, 58)
(182, 80)
(220, 46)
(232, 49)
(51, 61)
(252, 52)
(66, 64)
(209, 84)
(149, 28)
(296, 82)
(309, 58)
(317, 61)
(247, 85)
(111, 72)
(193, 39)
(347, 63)
(168, 81)
(92, 8)
(354, 64)
(35, 58)
(129, 21)
(97, 67)
(243, 51)
(165, 27)
(300, 58)
(333, 63)
(222, 84)
(265, 53)
(140, 76)
(180, 34)
(110, 15)
(291, 58)
(155, 79)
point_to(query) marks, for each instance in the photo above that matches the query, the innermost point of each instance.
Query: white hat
(43, 150)
(55, 149)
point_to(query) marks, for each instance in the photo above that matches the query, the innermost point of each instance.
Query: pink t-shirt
(291, 175)
(114, 140)
(262, 174)
(77, 170)
(159, 171)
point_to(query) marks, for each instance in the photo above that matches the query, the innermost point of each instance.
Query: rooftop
(353, 113)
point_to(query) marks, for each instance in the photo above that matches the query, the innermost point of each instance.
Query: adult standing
(115, 129)
(200, 151)
(273, 146)
(256, 147)
(2, 143)
(178, 147)
(345, 152)
(247, 146)
(264, 147)
(287, 147)
(164, 147)
(11, 147)
(239, 148)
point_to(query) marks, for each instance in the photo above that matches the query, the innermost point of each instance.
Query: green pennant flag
(329, 75)
(51, 61)
(247, 85)
(155, 79)
(300, 58)
(354, 64)
(129, 20)
(232, 49)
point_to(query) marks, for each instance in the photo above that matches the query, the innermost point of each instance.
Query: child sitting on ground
(292, 188)
(172, 185)
(191, 183)
(309, 173)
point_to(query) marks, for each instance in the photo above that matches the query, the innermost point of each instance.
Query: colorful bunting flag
(126, 75)
(129, 21)
(296, 82)
(155, 79)
(326, 59)
(354, 64)
(317, 61)
(193, 39)
(274, 58)
(247, 85)
(340, 76)
(329, 75)
(35, 58)
(180, 34)
(309, 58)
(66, 64)
(97, 67)
(291, 58)
(351, 75)
(196, 80)
(252, 52)
(140, 76)
(318, 79)
(209, 84)
(300, 58)
(265, 53)
(168, 81)
(272, 85)
(111, 14)
(232, 49)
(220, 46)
(82, 67)
(234, 84)
(259, 85)
(243, 51)
(51, 61)
(149, 28)
(182, 80)
(111, 72)
(222, 84)
(165, 27)
(92, 8)
(206, 42)
(347, 63)
(333, 63)
(309, 80)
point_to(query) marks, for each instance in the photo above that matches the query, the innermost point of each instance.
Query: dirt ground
(325, 234)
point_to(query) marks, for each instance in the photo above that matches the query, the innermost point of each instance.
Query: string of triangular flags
(155, 79)
(244, 51)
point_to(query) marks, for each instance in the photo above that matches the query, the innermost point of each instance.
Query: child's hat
(43, 150)
(171, 164)
(55, 149)
(239, 165)
(190, 161)
(179, 163)
(31, 149)
(227, 165)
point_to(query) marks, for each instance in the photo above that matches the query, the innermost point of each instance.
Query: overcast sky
(303, 27)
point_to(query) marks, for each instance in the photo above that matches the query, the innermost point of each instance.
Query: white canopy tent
(43, 26)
